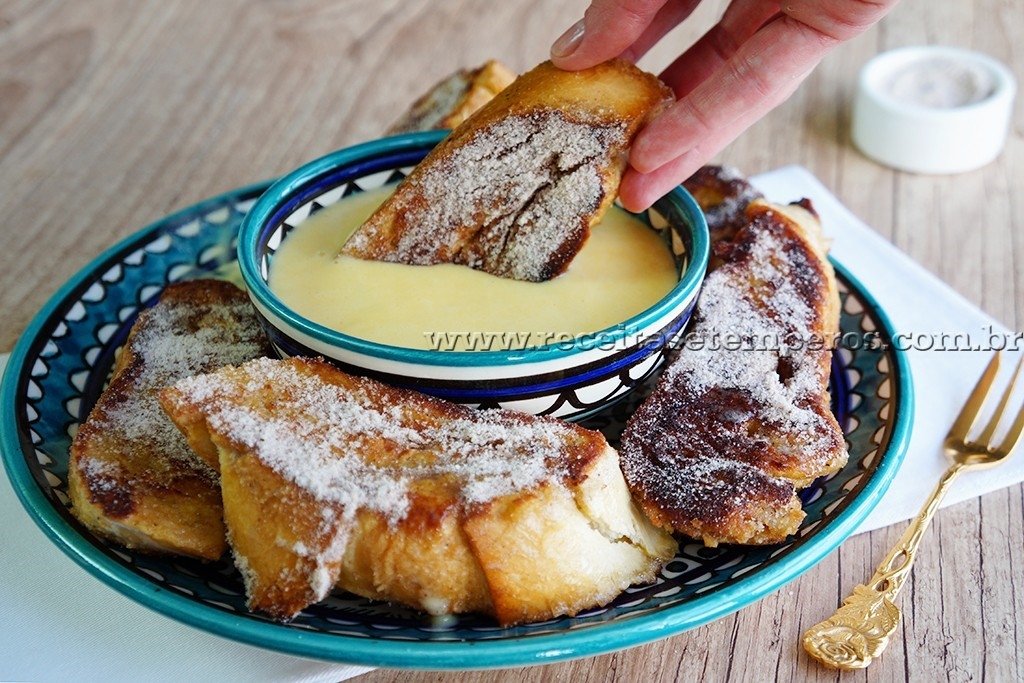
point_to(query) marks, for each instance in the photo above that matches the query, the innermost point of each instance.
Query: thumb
(608, 29)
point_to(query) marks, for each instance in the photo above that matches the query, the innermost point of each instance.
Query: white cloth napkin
(58, 623)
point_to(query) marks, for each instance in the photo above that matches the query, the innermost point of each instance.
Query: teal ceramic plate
(60, 364)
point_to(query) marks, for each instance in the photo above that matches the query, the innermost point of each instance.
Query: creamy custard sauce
(623, 269)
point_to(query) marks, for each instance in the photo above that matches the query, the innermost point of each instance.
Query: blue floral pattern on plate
(63, 360)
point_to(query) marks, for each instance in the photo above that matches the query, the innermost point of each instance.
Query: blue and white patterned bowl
(568, 379)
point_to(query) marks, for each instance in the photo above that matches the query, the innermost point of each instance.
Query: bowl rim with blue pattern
(499, 376)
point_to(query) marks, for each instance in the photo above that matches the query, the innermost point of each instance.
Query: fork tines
(972, 408)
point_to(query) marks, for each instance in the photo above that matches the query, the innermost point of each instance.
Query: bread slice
(334, 480)
(515, 189)
(723, 194)
(741, 418)
(450, 102)
(132, 477)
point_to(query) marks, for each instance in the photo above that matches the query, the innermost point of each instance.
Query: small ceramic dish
(569, 379)
(933, 109)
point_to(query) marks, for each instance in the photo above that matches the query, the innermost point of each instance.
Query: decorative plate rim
(625, 631)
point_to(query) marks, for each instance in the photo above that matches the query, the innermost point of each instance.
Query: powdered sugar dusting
(741, 415)
(499, 458)
(713, 489)
(362, 449)
(171, 340)
(723, 194)
(732, 205)
(747, 331)
(510, 201)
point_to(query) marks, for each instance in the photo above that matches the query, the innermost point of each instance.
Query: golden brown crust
(131, 477)
(333, 480)
(717, 500)
(515, 189)
(451, 101)
(742, 418)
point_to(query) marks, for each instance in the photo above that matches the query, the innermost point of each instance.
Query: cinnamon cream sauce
(622, 270)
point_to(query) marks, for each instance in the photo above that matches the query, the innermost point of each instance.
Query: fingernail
(568, 41)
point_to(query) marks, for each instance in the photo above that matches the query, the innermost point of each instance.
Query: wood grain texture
(113, 114)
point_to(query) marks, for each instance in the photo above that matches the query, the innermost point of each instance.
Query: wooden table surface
(114, 114)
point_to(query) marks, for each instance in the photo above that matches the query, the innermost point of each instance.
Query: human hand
(750, 62)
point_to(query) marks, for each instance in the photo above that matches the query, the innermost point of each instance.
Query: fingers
(750, 62)
(637, 191)
(707, 55)
(840, 20)
(611, 28)
(762, 73)
(766, 64)
(671, 14)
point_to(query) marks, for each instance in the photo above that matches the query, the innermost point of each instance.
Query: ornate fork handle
(859, 630)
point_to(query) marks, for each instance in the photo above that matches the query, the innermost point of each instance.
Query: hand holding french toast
(748, 63)
(319, 480)
(515, 189)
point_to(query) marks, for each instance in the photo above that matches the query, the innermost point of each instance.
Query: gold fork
(859, 630)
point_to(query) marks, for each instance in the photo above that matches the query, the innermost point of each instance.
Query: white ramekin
(932, 109)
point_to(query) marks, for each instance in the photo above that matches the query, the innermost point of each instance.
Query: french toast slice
(450, 102)
(723, 194)
(334, 480)
(515, 189)
(741, 417)
(132, 477)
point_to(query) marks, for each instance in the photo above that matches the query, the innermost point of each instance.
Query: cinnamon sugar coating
(741, 418)
(132, 476)
(331, 480)
(450, 101)
(723, 194)
(515, 189)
